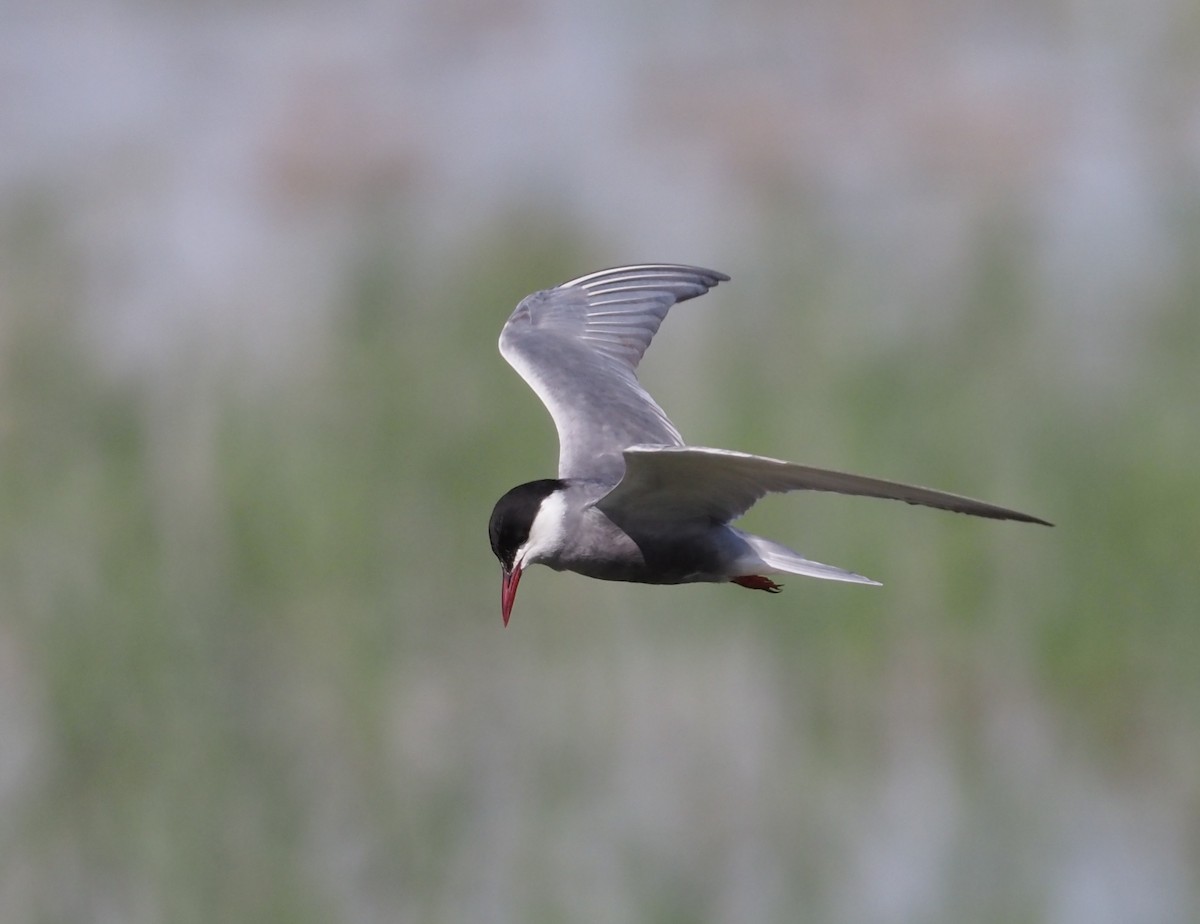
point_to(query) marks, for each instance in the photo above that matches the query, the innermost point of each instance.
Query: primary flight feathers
(725, 484)
(578, 345)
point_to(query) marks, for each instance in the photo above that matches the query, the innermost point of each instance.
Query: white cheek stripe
(547, 535)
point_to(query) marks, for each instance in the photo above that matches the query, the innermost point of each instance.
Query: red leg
(757, 582)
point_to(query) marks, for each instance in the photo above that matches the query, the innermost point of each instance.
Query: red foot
(757, 582)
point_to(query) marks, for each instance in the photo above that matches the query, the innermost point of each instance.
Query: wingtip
(1028, 518)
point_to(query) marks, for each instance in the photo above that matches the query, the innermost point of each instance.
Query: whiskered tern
(632, 501)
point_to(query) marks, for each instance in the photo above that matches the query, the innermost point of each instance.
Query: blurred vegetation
(256, 670)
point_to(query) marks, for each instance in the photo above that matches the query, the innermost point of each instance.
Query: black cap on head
(513, 515)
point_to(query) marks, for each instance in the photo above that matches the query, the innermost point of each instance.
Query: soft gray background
(253, 261)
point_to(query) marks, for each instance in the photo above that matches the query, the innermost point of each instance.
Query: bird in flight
(632, 501)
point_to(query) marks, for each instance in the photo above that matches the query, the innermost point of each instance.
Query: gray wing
(578, 345)
(686, 482)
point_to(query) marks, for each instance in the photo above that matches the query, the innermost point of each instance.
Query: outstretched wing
(578, 346)
(687, 482)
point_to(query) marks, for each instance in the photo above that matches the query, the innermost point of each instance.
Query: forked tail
(778, 557)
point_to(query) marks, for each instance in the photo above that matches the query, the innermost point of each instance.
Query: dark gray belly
(651, 555)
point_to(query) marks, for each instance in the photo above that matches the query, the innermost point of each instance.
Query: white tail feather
(780, 558)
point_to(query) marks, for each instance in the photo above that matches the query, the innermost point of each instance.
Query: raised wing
(685, 482)
(578, 346)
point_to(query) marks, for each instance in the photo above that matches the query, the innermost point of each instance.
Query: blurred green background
(253, 263)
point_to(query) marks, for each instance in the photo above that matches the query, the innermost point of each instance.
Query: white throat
(548, 533)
